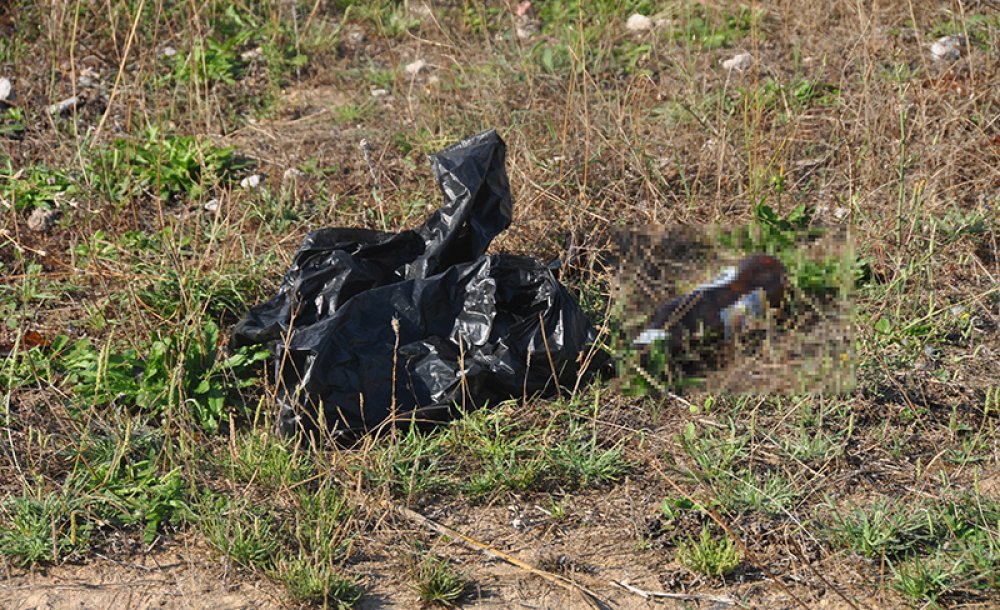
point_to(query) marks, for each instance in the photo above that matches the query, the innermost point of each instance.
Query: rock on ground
(42, 220)
(738, 62)
(639, 23)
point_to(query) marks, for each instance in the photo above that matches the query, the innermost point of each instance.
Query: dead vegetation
(135, 449)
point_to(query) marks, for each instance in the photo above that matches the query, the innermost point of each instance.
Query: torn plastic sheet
(369, 326)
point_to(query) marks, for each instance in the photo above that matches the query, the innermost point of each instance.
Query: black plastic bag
(420, 325)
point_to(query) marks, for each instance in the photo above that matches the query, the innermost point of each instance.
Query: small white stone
(525, 30)
(948, 48)
(168, 51)
(292, 174)
(41, 221)
(416, 67)
(421, 11)
(638, 23)
(378, 92)
(252, 54)
(841, 213)
(5, 89)
(251, 182)
(64, 106)
(88, 78)
(525, 22)
(212, 205)
(355, 37)
(738, 62)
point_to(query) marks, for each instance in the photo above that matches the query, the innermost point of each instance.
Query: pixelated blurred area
(803, 344)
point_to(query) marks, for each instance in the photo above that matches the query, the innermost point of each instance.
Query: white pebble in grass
(526, 24)
(948, 48)
(379, 93)
(65, 106)
(212, 205)
(41, 220)
(88, 78)
(738, 62)
(416, 67)
(251, 182)
(168, 51)
(252, 54)
(638, 23)
(6, 90)
(292, 174)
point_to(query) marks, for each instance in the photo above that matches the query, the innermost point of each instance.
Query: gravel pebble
(638, 23)
(65, 106)
(252, 54)
(416, 67)
(292, 174)
(738, 62)
(948, 48)
(251, 182)
(88, 78)
(42, 221)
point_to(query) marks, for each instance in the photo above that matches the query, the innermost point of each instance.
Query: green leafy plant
(35, 186)
(711, 31)
(12, 123)
(165, 165)
(178, 370)
(672, 508)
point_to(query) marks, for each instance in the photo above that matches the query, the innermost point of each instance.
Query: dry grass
(884, 496)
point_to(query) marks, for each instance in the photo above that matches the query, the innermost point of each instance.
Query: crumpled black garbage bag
(420, 325)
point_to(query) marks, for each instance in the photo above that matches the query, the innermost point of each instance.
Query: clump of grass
(709, 555)
(272, 461)
(490, 451)
(317, 583)
(715, 454)
(35, 186)
(115, 479)
(39, 526)
(933, 549)
(767, 493)
(167, 166)
(436, 582)
(324, 523)
(178, 370)
(121, 479)
(886, 529)
(241, 531)
(920, 579)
